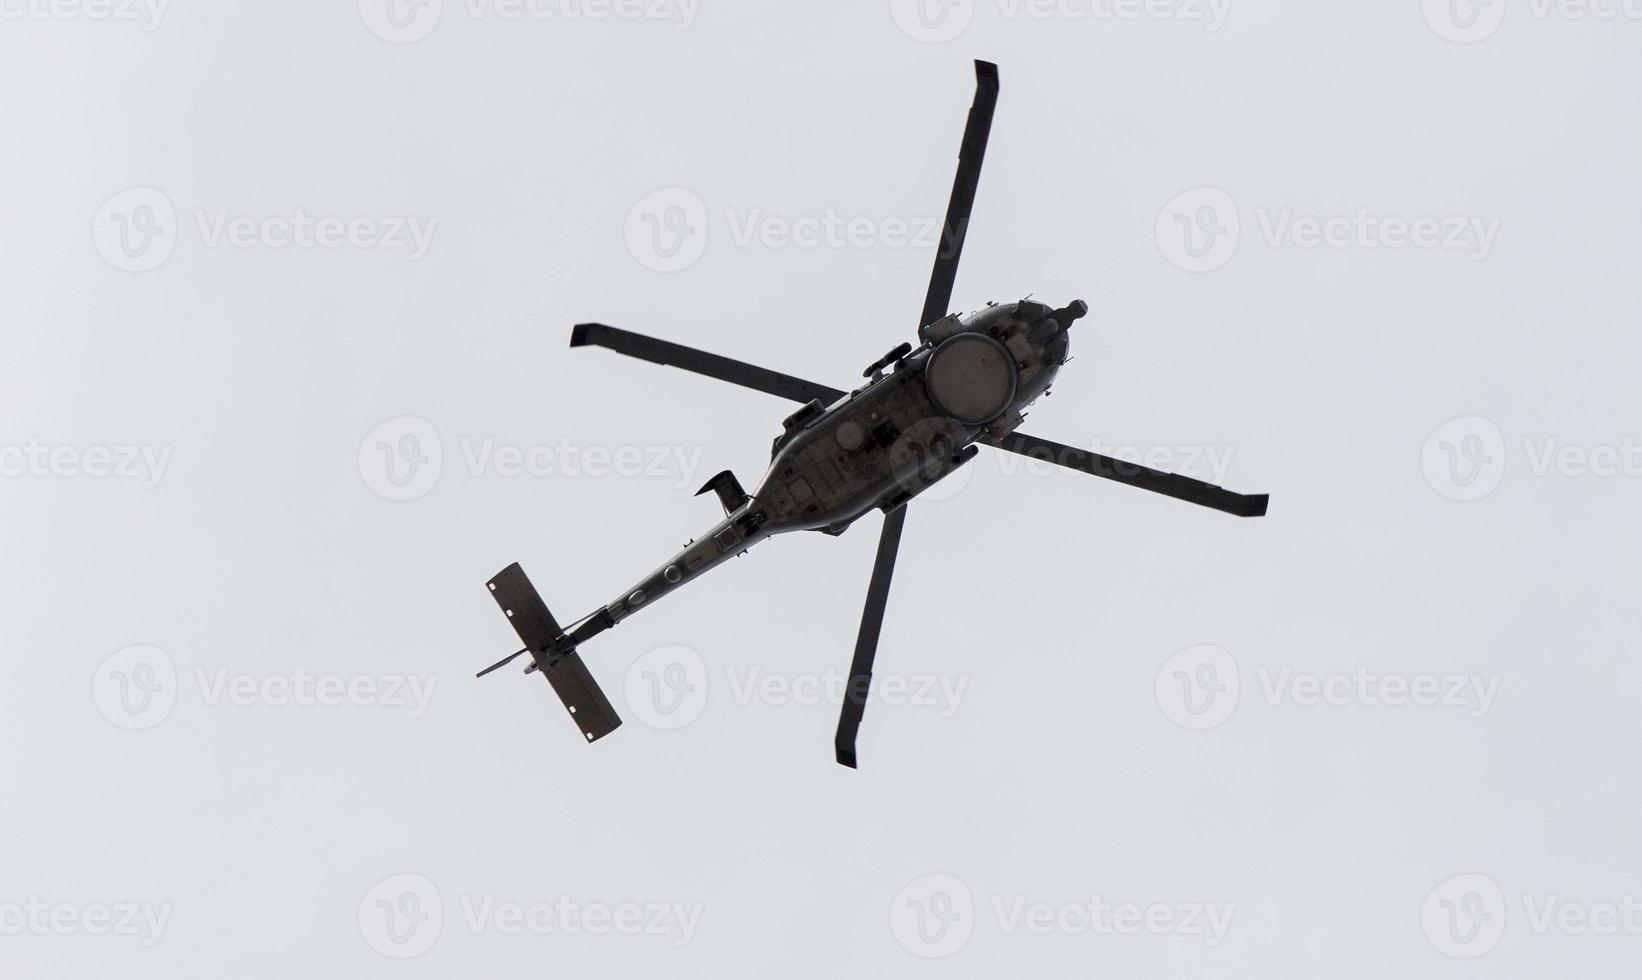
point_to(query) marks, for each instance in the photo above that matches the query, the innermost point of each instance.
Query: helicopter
(922, 413)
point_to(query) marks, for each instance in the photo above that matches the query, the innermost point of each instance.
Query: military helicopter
(921, 414)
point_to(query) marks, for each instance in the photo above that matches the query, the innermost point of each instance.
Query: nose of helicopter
(1057, 321)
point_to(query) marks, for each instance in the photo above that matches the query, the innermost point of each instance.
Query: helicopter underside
(919, 417)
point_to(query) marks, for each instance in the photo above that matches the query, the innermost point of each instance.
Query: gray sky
(288, 291)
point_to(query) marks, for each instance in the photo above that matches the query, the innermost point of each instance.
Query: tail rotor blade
(866, 642)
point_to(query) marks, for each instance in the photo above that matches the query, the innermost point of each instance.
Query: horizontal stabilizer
(525, 609)
(554, 653)
(581, 695)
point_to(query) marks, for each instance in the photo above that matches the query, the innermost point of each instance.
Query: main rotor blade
(939, 298)
(701, 362)
(866, 642)
(1135, 475)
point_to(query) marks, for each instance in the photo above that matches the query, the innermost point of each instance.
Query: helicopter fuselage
(912, 424)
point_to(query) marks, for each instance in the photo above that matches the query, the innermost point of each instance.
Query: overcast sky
(288, 289)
